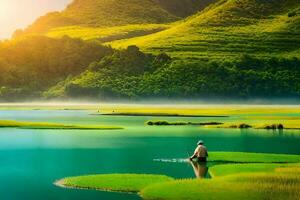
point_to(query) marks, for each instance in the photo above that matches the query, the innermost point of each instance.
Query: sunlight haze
(16, 14)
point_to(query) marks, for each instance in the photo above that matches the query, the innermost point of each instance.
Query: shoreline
(60, 183)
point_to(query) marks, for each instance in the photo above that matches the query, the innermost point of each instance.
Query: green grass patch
(235, 181)
(230, 169)
(241, 157)
(44, 125)
(114, 182)
(279, 185)
(255, 181)
(106, 34)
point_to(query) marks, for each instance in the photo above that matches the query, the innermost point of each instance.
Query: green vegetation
(110, 13)
(250, 116)
(275, 125)
(242, 186)
(234, 181)
(32, 64)
(249, 112)
(240, 157)
(114, 182)
(231, 169)
(115, 76)
(166, 123)
(183, 8)
(44, 125)
(231, 49)
(243, 78)
(227, 29)
(245, 126)
(267, 180)
(106, 34)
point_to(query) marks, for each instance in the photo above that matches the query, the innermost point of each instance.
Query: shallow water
(31, 160)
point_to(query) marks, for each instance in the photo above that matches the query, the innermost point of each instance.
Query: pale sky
(15, 14)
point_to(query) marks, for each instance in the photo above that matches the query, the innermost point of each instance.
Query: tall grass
(250, 186)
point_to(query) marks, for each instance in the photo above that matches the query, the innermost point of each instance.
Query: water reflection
(200, 169)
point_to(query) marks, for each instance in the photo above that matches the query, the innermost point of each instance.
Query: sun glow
(3, 9)
(15, 14)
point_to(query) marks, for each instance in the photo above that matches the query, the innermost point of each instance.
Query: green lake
(31, 160)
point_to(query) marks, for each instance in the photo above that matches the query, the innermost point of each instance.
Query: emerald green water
(31, 160)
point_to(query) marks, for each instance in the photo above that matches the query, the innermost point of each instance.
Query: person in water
(200, 152)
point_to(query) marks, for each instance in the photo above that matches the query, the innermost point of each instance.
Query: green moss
(114, 182)
(44, 125)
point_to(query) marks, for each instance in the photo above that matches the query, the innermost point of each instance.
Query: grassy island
(166, 123)
(282, 183)
(266, 124)
(44, 125)
(245, 176)
(114, 182)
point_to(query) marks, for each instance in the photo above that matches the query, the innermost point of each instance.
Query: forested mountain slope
(31, 65)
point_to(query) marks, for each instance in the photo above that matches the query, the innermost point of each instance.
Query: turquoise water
(31, 160)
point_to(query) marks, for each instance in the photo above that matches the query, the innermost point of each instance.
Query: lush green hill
(135, 75)
(229, 28)
(108, 13)
(232, 48)
(103, 13)
(115, 13)
(93, 19)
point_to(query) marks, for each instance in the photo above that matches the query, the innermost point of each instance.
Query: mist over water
(159, 102)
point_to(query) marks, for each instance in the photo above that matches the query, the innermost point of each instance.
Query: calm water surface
(31, 160)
